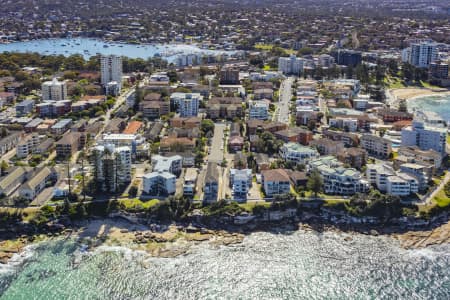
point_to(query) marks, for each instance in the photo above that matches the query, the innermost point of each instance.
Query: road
(217, 145)
(284, 101)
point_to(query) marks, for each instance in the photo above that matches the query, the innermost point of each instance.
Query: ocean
(293, 265)
(89, 47)
(437, 104)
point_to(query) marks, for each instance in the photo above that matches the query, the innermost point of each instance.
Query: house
(376, 146)
(211, 184)
(116, 125)
(133, 127)
(36, 184)
(298, 154)
(235, 143)
(262, 161)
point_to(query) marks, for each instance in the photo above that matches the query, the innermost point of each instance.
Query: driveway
(217, 145)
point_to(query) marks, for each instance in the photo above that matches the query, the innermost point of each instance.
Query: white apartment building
(111, 69)
(187, 103)
(377, 146)
(425, 137)
(27, 145)
(420, 54)
(241, 182)
(275, 182)
(112, 166)
(338, 180)
(54, 90)
(159, 183)
(171, 164)
(299, 154)
(290, 65)
(259, 110)
(350, 125)
(123, 139)
(386, 179)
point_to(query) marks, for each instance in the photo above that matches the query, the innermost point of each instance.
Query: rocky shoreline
(173, 240)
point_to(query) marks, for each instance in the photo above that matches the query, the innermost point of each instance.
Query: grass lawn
(266, 47)
(250, 205)
(428, 86)
(267, 68)
(27, 213)
(136, 203)
(394, 82)
(448, 139)
(441, 199)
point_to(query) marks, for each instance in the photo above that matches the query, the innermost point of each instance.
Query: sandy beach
(393, 96)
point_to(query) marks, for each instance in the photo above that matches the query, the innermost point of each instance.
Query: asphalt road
(217, 145)
(283, 113)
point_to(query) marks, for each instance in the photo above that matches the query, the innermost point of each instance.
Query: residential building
(295, 134)
(229, 75)
(439, 70)
(347, 57)
(296, 153)
(291, 65)
(420, 54)
(425, 137)
(133, 141)
(112, 167)
(159, 183)
(33, 125)
(9, 142)
(111, 70)
(235, 143)
(186, 103)
(355, 157)
(68, 145)
(390, 115)
(36, 184)
(337, 179)
(172, 164)
(190, 182)
(61, 126)
(12, 181)
(259, 110)
(349, 139)
(225, 107)
(240, 182)
(327, 146)
(420, 172)
(264, 93)
(27, 145)
(169, 144)
(376, 146)
(275, 182)
(386, 179)
(25, 107)
(415, 155)
(54, 90)
(211, 185)
(155, 109)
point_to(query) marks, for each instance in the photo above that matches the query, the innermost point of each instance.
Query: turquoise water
(438, 104)
(89, 47)
(299, 265)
